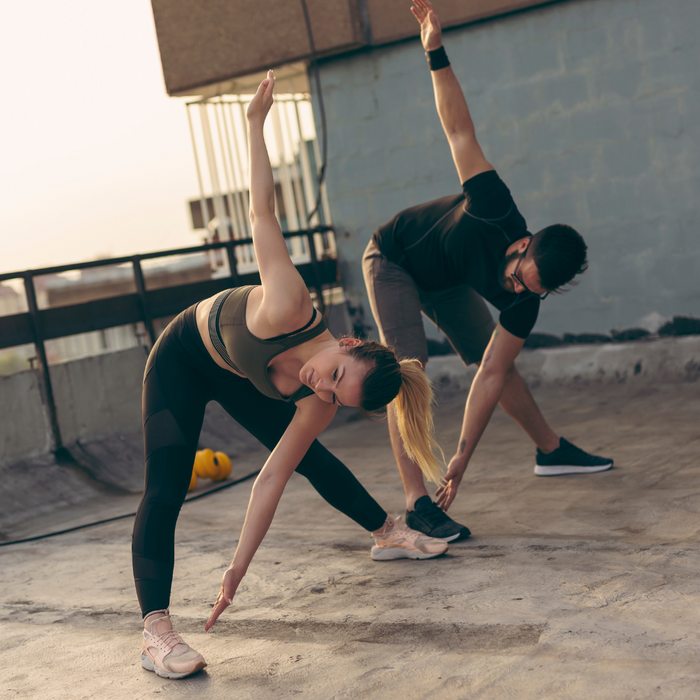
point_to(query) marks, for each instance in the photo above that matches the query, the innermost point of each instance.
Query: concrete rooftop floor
(571, 587)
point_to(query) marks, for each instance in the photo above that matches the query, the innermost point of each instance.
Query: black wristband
(437, 59)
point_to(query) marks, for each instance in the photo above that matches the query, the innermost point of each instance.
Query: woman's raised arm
(283, 287)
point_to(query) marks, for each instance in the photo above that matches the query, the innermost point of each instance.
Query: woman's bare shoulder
(271, 317)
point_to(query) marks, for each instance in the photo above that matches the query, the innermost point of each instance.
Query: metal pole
(241, 211)
(226, 157)
(41, 353)
(286, 181)
(244, 172)
(283, 113)
(306, 171)
(317, 273)
(202, 197)
(230, 251)
(141, 289)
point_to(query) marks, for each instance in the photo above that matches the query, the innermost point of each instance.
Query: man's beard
(503, 279)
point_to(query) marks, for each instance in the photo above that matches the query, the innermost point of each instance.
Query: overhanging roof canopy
(207, 44)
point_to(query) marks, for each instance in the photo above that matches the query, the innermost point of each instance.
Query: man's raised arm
(449, 98)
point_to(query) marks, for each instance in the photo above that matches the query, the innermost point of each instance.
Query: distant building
(90, 284)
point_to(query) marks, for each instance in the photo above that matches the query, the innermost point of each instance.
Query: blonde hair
(414, 415)
(406, 385)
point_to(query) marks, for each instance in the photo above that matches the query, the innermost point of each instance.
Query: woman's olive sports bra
(248, 354)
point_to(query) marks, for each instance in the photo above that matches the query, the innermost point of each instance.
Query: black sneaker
(430, 520)
(569, 459)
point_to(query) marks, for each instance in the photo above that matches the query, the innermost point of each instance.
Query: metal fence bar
(129, 259)
(202, 197)
(43, 361)
(141, 289)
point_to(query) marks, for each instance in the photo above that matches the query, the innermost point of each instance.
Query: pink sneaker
(403, 543)
(164, 651)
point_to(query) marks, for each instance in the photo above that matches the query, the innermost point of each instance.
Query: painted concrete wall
(590, 111)
(96, 397)
(25, 430)
(99, 396)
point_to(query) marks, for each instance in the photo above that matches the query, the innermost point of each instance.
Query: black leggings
(180, 379)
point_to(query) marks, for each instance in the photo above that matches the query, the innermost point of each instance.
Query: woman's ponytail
(406, 385)
(414, 415)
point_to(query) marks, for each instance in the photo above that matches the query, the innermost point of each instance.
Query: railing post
(141, 289)
(41, 354)
(317, 271)
(232, 264)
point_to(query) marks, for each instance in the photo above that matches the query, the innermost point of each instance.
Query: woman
(257, 350)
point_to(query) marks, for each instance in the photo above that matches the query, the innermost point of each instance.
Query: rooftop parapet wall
(96, 397)
(207, 43)
(99, 398)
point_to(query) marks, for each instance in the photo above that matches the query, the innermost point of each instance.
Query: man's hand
(430, 30)
(451, 481)
(229, 585)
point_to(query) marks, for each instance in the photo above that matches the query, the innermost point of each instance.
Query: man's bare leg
(519, 404)
(555, 457)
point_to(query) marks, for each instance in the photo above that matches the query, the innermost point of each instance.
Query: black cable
(126, 515)
(324, 136)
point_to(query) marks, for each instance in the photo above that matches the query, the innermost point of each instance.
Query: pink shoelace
(170, 638)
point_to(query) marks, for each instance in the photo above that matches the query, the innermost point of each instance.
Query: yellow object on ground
(199, 464)
(210, 468)
(193, 481)
(210, 465)
(223, 464)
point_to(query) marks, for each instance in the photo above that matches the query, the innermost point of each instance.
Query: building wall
(590, 111)
(213, 47)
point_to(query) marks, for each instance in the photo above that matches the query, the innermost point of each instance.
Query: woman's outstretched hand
(229, 585)
(260, 104)
(430, 30)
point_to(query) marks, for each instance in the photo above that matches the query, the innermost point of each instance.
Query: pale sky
(95, 158)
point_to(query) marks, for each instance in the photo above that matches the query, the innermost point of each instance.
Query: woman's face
(334, 376)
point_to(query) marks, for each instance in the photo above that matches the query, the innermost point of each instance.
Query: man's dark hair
(560, 254)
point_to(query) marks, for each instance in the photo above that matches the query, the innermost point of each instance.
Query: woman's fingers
(269, 83)
(260, 105)
(220, 605)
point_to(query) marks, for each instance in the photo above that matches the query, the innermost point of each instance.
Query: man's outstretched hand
(430, 30)
(450, 482)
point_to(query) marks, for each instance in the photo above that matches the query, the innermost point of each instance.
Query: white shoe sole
(450, 538)
(391, 553)
(150, 666)
(562, 469)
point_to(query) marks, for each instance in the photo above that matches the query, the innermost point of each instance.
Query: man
(443, 259)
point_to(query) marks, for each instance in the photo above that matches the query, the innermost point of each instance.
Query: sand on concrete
(571, 587)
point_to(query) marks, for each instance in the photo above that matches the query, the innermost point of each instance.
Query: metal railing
(40, 325)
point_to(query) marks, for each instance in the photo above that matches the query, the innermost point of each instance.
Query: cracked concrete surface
(571, 587)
